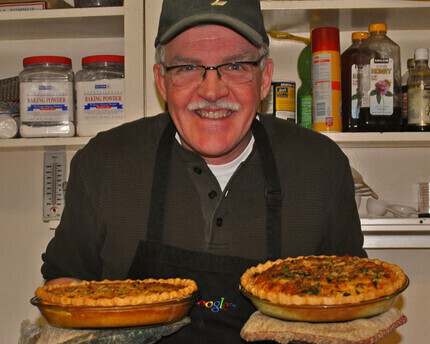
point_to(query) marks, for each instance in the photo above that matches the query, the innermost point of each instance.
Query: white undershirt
(224, 172)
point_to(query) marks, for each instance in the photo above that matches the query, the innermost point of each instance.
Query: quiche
(104, 304)
(323, 280)
(116, 293)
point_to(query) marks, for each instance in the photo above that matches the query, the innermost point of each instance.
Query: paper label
(46, 101)
(419, 105)
(322, 87)
(381, 86)
(100, 102)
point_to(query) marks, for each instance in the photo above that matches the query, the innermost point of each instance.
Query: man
(210, 188)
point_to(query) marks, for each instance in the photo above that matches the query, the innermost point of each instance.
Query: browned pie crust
(323, 280)
(108, 293)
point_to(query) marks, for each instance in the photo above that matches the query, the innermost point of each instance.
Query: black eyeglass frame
(206, 68)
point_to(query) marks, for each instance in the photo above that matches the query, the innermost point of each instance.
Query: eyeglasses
(231, 73)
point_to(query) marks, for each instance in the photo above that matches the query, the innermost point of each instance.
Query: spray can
(326, 80)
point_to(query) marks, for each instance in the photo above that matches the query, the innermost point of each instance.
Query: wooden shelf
(378, 140)
(38, 143)
(382, 232)
(347, 15)
(344, 140)
(62, 23)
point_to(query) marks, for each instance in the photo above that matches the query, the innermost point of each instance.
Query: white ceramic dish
(376, 207)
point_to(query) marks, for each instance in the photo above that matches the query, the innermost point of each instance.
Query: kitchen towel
(359, 331)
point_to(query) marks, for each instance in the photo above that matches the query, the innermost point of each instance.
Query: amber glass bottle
(385, 88)
(352, 61)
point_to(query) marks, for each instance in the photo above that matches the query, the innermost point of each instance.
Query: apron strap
(273, 191)
(159, 184)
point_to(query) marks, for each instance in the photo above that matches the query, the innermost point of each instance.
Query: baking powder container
(46, 97)
(100, 94)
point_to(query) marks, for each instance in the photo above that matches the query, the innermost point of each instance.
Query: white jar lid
(421, 54)
(8, 126)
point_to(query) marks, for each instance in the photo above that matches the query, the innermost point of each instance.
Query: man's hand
(62, 280)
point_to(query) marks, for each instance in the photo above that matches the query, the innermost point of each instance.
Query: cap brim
(237, 25)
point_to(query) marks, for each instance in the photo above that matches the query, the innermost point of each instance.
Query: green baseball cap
(243, 16)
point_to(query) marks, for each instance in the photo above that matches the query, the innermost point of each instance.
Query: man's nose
(213, 86)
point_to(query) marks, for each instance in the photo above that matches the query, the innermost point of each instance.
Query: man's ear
(160, 81)
(266, 79)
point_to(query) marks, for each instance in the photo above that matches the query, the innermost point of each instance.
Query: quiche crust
(323, 280)
(109, 293)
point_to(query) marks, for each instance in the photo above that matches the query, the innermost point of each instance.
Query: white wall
(23, 237)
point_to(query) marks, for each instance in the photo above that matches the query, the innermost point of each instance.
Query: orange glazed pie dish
(116, 303)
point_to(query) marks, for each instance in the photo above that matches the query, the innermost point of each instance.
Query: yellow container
(326, 80)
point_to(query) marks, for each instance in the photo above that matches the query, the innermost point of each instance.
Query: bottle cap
(360, 35)
(378, 27)
(8, 126)
(325, 38)
(421, 54)
(47, 59)
(103, 58)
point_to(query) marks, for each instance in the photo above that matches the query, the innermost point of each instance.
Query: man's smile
(211, 114)
(214, 110)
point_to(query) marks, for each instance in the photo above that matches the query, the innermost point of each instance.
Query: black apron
(221, 312)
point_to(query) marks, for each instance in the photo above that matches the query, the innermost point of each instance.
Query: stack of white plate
(361, 188)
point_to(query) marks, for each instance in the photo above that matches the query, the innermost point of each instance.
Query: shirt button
(212, 194)
(197, 170)
(219, 221)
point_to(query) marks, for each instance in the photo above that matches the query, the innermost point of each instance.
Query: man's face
(213, 118)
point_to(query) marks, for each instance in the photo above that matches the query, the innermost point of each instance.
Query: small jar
(100, 94)
(46, 97)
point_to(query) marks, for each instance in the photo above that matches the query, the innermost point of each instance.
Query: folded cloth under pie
(359, 331)
(47, 334)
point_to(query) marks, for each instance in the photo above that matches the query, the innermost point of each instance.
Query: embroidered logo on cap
(218, 3)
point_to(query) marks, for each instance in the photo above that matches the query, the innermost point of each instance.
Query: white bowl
(401, 210)
(376, 207)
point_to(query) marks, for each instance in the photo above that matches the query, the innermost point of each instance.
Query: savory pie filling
(323, 280)
(117, 293)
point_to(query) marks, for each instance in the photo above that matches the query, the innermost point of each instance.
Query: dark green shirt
(108, 197)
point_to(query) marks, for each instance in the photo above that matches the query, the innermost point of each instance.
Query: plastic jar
(100, 94)
(382, 96)
(46, 97)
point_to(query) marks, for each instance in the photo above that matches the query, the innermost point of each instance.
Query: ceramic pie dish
(326, 313)
(115, 316)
